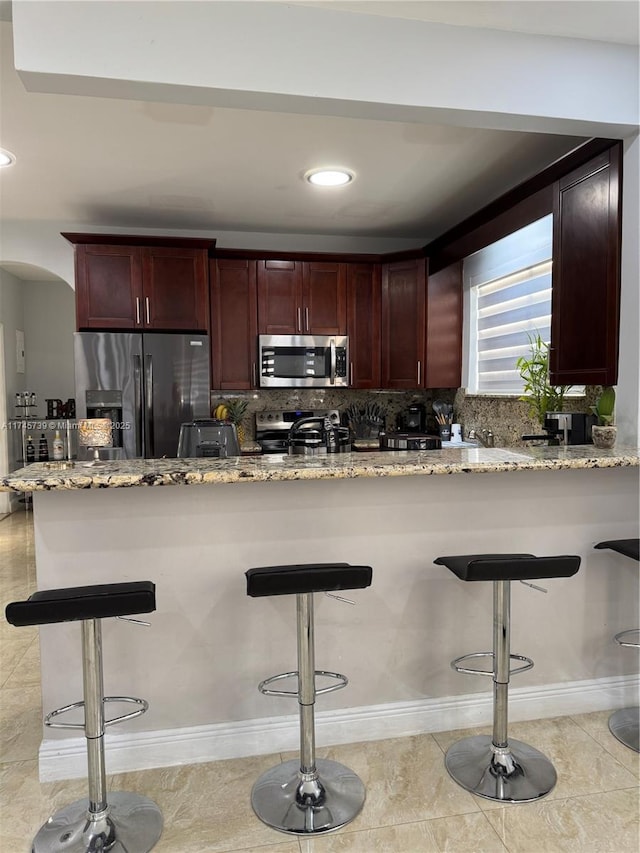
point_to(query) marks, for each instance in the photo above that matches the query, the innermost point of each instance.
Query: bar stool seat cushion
(509, 567)
(99, 601)
(306, 577)
(627, 547)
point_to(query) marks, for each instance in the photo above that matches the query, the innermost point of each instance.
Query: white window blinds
(509, 310)
(509, 297)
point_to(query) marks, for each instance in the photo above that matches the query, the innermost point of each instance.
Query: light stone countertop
(251, 469)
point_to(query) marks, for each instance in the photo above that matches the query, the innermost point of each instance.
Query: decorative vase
(604, 436)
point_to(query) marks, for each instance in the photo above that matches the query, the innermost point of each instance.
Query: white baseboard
(66, 758)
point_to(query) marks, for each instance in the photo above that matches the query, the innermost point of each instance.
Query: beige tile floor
(412, 805)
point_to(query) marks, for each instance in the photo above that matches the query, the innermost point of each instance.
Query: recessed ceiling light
(329, 177)
(6, 158)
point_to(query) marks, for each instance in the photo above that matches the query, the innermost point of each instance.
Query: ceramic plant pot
(604, 436)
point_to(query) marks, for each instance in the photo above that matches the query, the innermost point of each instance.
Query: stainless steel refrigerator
(148, 384)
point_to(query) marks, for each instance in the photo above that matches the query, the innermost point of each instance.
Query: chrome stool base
(282, 799)
(625, 726)
(130, 824)
(519, 774)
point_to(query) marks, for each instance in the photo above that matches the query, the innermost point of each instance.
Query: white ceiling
(107, 163)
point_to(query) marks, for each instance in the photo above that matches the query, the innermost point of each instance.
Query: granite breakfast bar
(209, 645)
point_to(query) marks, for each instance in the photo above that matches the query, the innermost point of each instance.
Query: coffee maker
(569, 427)
(413, 418)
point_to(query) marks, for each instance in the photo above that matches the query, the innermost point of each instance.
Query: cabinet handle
(306, 319)
(137, 310)
(419, 373)
(146, 300)
(350, 373)
(299, 313)
(253, 374)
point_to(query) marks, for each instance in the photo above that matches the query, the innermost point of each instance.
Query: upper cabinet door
(444, 328)
(131, 282)
(108, 287)
(324, 298)
(403, 324)
(279, 297)
(585, 315)
(175, 289)
(234, 324)
(363, 324)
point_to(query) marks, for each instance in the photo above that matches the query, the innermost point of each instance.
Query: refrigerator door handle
(137, 403)
(149, 407)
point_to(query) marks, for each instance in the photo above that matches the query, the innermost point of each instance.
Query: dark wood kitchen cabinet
(403, 324)
(363, 324)
(234, 324)
(324, 298)
(175, 289)
(421, 325)
(585, 314)
(279, 286)
(301, 297)
(443, 356)
(141, 283)
(108, 287)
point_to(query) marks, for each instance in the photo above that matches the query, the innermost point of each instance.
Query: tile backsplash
(506, 417)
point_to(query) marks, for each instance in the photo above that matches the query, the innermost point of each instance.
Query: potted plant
(541, 396)
(604, 432)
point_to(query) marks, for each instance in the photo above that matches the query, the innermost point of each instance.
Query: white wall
(45, 312)
(628, 389)
(5, 497)
(39, 242)
(12, 318)
(50, 321)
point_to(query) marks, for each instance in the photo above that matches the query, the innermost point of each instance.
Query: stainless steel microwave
(312, 361)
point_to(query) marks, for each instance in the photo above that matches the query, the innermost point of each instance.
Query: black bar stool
(493, 766)
(625, 723)
(307, 796)
(123, 822)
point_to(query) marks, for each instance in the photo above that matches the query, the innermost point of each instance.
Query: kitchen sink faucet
(485, 437)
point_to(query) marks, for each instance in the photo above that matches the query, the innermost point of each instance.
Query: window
(507, 292)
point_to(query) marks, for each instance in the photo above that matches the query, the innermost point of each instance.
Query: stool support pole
(306, 682)
(93, 685)
(304, 796)
(501, 660)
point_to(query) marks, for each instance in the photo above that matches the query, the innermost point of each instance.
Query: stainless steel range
(272, 428)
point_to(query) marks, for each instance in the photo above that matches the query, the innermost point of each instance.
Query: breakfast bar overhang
(209, 645)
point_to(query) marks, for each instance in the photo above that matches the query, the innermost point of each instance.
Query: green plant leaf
(541, 396)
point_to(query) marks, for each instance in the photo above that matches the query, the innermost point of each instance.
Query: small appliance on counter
(409, 441)
(565, 428)
(570, 427)
(413, 418)
(315, 436)
(272, 427)
(208, 438)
